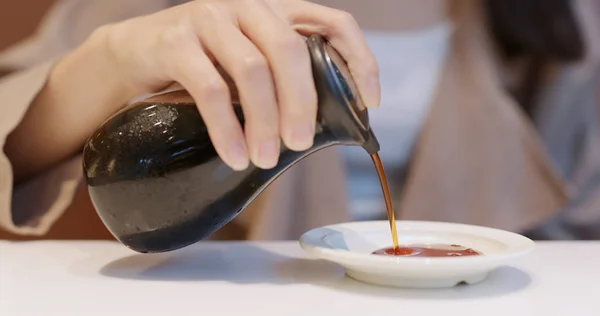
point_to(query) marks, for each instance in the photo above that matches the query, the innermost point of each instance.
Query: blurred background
(19, 19)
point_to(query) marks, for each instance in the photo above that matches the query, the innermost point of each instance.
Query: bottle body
(157, 182)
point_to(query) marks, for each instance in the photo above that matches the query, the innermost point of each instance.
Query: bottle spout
(371, 144)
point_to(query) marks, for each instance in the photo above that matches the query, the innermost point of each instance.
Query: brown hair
(541, 33)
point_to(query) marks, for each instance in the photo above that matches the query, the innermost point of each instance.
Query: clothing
(477, 158)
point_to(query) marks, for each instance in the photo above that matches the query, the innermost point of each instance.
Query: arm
(81, 91)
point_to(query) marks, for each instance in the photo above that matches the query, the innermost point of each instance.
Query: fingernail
(302, 137)
(268, 153)
(237, 156)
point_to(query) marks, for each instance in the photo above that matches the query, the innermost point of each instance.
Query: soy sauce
(434, 250)
(387, 197)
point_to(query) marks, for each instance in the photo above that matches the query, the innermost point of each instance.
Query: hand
(259, 44)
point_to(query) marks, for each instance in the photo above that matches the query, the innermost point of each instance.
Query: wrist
(91, 71)
(83, 89)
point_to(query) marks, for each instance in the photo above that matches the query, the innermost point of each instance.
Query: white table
(277, 278)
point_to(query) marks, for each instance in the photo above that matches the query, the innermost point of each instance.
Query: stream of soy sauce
(387, 197)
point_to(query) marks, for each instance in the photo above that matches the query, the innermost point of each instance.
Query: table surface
(274, 278)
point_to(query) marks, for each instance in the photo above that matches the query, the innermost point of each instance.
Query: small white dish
(351, 245)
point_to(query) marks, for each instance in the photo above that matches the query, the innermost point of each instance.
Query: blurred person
(488, 108)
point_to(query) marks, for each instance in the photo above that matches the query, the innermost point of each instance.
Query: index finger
(343, 32)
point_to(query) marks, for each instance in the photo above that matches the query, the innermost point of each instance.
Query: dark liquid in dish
(386, 195)
(435, 250)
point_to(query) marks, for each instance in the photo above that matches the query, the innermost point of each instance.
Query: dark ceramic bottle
(157, 182)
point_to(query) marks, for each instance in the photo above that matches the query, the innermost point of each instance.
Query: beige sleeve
(32, 207)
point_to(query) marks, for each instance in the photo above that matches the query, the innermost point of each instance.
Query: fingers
(289, 61)
(245, 63)
(342, 31)
(197, 74)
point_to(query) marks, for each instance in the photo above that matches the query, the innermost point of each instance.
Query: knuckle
(213, 89)
(263, 118)
(210, 11)
(205, 9)
(310, 99)
(265, 115)
(344, 19)
(268, 128)
(174, 37)
(303, 107)
(304, 112)
(274, 3)
(262, 128)
(254, 66)
(252, 2)
(307, 100)
(291, 43)
(110, 38)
